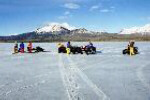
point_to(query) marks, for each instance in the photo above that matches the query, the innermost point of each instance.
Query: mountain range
(52, 32)
(61, 29)
(64, 32)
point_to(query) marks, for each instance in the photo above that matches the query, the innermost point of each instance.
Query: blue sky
(19, 16)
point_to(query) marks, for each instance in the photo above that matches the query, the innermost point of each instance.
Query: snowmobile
(89, 49)
(39, 49)
(131, 51)
(75, 49)
(62, 49)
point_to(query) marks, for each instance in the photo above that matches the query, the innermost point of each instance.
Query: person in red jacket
(29, 47)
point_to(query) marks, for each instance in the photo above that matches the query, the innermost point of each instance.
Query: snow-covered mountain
(63, 28)
(53, 28)
(80, 31)
(137, 30)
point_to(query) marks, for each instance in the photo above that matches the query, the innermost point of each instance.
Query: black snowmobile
(75, 49)
(89, 49)
(39, 49)
(127, 51)
(62, 49)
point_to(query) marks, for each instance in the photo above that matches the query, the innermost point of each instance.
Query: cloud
(101, 8)
(71, 6)
(66, 13)
(104, 10)
(63, 17)
(95, 7)
(64, 24)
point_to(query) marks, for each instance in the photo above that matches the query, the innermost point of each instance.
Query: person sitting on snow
(131, 44)
(131, 47)
(16, 47)
(21, 49)
(69, 44)
(90, 44)
(29, 47)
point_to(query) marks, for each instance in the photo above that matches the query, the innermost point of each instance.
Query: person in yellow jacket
(62, 48)
(16, 47)
(68, 51)
(131, 51)
(131, 47)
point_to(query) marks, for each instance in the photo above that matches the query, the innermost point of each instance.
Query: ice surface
(108, 75)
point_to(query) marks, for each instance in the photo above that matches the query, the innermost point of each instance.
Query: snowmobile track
(98, 91)
(69, 75)
(69, 81)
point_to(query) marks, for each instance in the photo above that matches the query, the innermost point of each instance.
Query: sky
(21, 16)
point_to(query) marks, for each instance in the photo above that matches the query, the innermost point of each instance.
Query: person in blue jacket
(22, 47)
(90, 44)
(69, 44)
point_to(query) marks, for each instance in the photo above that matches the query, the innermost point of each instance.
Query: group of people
(69, 45)
(21, 47)
(69, 48)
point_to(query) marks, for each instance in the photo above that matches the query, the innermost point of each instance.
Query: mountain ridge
(58, 32)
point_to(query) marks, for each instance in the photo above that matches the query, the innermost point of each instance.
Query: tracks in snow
(77, 84)
(68, 80)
